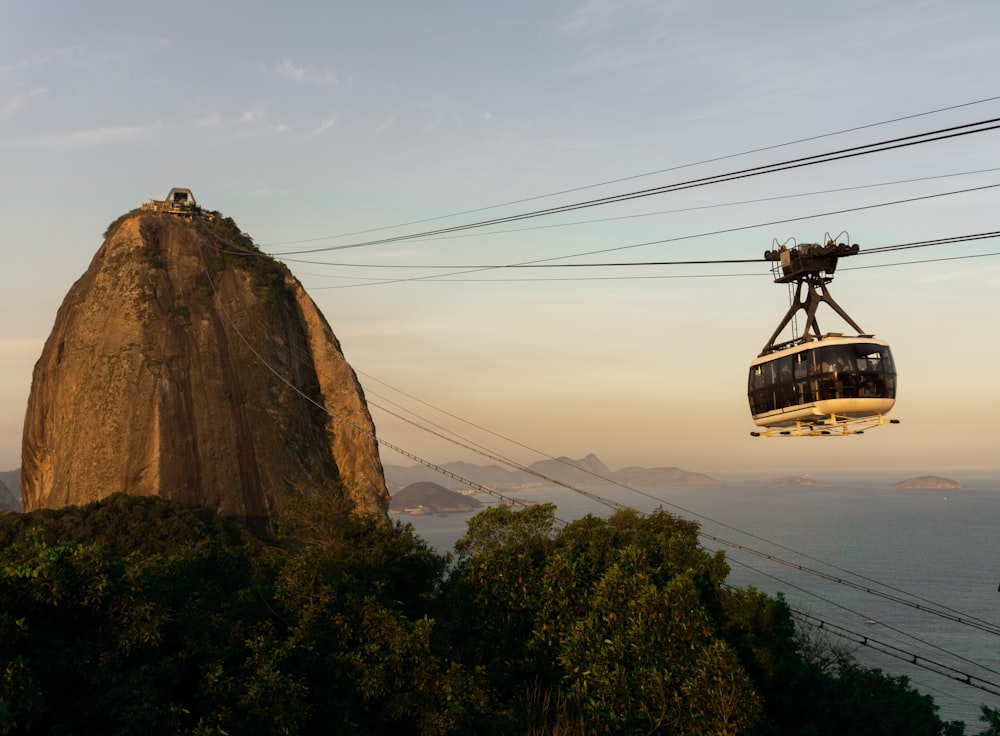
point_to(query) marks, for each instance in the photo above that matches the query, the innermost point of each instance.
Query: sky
(323, 125)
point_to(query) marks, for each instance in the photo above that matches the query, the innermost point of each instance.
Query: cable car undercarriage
(818, 384)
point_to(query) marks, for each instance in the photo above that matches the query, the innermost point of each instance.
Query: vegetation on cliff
(138, 615)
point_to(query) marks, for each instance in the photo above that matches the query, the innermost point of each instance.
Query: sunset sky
(322, 125)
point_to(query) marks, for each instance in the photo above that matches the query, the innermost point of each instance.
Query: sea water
(873, 563)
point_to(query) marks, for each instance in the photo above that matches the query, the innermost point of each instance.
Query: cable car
(818, 383)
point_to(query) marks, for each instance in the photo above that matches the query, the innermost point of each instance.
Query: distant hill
(430, 498)
(669, 476)
(587, 471)
(932, 482)
(793, 480)
(10, 490)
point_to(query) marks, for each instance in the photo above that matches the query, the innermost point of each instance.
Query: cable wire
(981, 126)
(650, 173)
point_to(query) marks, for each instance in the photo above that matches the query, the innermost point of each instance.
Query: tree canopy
(136, 615)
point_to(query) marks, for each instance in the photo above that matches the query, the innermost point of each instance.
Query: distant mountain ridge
(587, 471)
(10, 490)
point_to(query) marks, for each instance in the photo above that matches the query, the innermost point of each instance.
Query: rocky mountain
(932, 482)
(187, 364)
(430, 498)
(587, 471)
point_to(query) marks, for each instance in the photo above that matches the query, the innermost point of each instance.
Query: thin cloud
(100, 136)
(18, 102)
(213, 120)
(325, 125)
(595, 15)
(14, 65)
(387, 123)
(252, 115)
(288, 70)
(328, 78)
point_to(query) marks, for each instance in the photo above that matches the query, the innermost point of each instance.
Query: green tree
(613, 621)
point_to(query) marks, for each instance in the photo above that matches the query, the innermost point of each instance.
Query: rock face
(186, 364)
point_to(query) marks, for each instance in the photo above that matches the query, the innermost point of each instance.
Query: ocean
(913, 572)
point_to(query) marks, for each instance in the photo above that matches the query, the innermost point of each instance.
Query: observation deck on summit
(178, 202)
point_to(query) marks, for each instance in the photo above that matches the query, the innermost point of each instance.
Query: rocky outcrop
(188, 365)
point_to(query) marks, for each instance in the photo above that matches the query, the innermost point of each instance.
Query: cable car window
(877, 376)
(802, 369)
(786, 391)
(801, 365)
(759, 392)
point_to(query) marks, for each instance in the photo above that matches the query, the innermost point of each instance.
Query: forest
(136, 615)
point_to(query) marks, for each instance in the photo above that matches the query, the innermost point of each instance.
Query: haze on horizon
(321, 125)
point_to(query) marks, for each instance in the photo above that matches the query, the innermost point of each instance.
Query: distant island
(793, 480)
(430, 498)
(933, 482)
(587, 471)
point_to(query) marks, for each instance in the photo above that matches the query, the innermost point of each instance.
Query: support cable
(636, 176)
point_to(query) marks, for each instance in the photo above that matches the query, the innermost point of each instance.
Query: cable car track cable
(834, 604)
(941, 613)
(662, 241)
(901, 654)
(612, 264)
(934, 136)
(698, 208)
(639, 176)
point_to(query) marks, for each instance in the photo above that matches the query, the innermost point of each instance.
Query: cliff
(188, 365)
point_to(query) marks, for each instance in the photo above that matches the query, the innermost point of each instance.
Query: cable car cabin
(822, 382)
